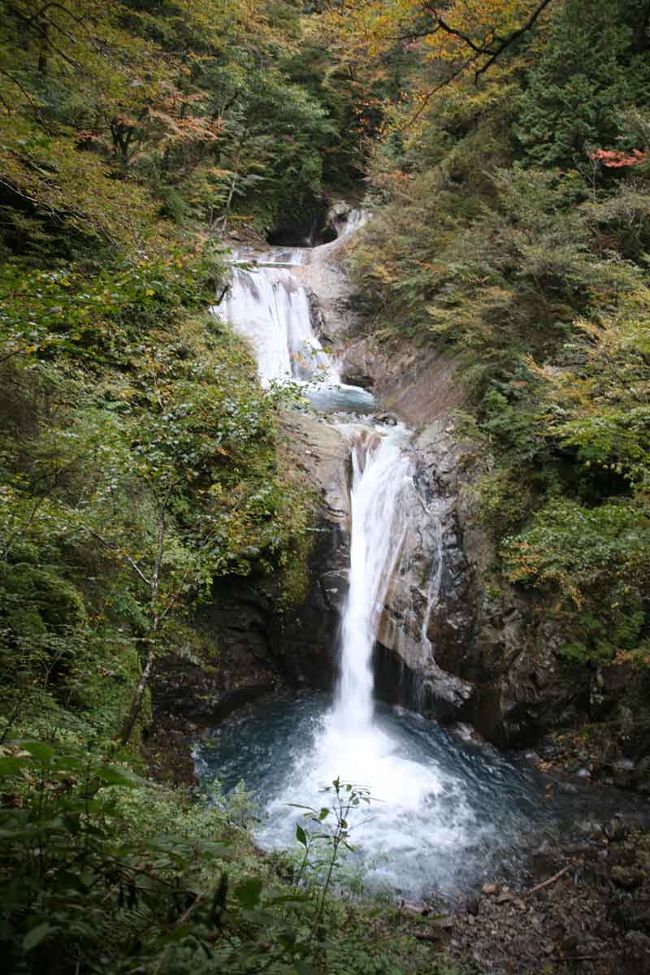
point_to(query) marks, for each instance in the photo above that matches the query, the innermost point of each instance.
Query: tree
(587, 73)
(452, 39)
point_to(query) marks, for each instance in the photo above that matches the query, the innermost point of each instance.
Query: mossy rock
(40, 593)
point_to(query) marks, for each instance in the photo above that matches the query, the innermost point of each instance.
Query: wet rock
(246, 648)
(473, 906)
(420, 909)
(418, 384)
(388, 419)
(637, 953)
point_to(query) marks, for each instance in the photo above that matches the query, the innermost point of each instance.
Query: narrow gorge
(447, 809)
(324, 487)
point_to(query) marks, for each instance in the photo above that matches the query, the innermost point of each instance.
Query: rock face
(456, 641)
(455, 646)
(247, 647)
(424, 604)
(325, 279)
(497, 640)
(446, 647)
(418, 385)
(304, 644)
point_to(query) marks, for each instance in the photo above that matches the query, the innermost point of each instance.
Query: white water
(380, 472)
(444, 816)
(351, 221)
(420, 808)
(274, 256)
(270, 308)
(419, 814)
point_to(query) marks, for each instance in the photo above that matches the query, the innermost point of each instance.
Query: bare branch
(57, 6)
(491, 48)
(27, 95)
(454, 32)
(547, 883)
(512, 38)
(41, 30)
(443, 84)
(124, 555)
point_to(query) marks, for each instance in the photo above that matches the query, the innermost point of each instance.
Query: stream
(446, 813)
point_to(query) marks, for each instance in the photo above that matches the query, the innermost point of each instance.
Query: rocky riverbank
(581, 908)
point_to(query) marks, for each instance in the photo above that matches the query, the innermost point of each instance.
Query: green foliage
(157, 462)
(104, 872)
(206, 110)
(590, 555)
(140, 461)
(326, 836)
(499, 238)
(139, 457)
(593, 66)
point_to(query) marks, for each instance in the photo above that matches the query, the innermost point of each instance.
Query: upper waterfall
(270, 307)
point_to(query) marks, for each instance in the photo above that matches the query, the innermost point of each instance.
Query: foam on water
(438, 818)
(445, 815)
(417, 810)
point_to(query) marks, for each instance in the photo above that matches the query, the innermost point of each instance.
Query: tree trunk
(126, 730)
(156, 618)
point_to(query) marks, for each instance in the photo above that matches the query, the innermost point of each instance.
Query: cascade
(268, 305)
(440, 809)
(350, 221)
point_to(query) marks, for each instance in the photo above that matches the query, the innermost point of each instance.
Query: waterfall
(270, 307)
(380, 470)
(433, 811)
(349, 220)
(419, 814)
(421, 808)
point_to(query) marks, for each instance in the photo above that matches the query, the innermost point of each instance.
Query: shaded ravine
(444, 812)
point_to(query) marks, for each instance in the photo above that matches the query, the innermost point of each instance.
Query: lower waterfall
(442, 811)
(379, 474)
